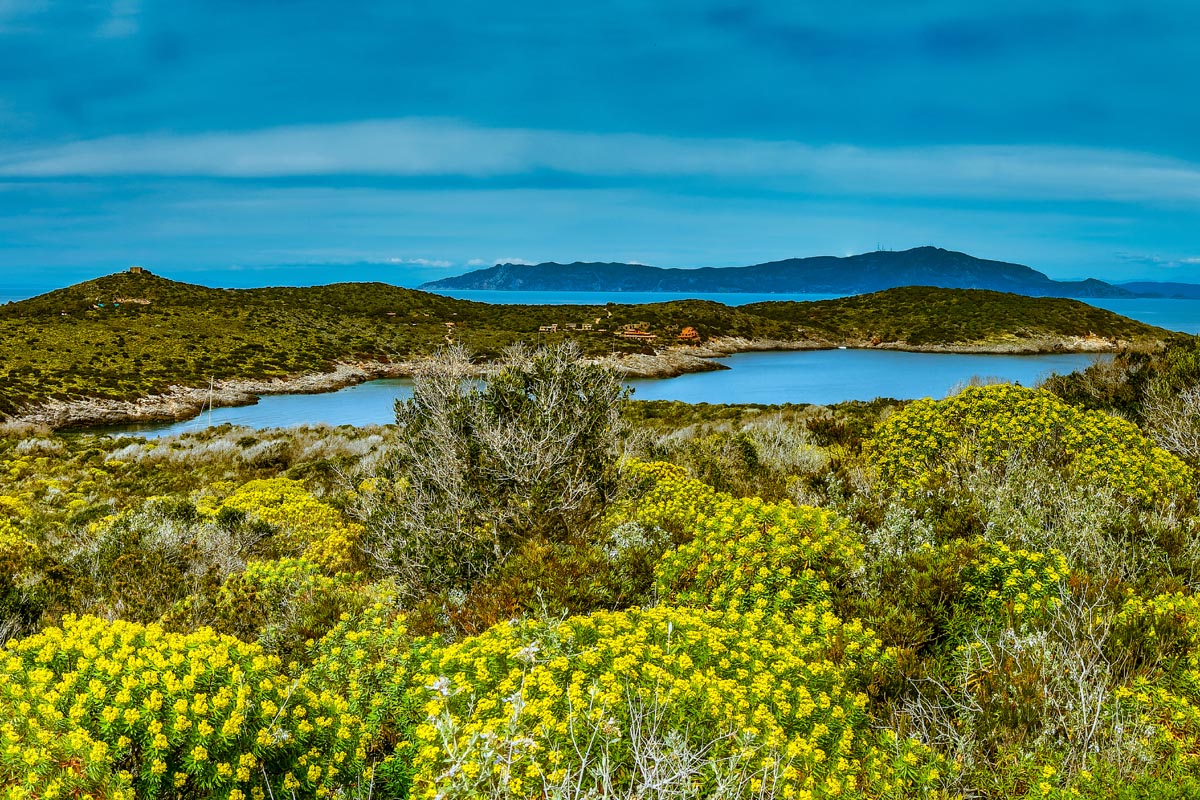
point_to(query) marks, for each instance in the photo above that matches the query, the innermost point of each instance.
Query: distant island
(1169, 290)
(136, 346)
(859, 274)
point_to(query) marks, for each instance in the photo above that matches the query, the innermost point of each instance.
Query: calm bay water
(831, 376)
(813, 376)
(368, 403)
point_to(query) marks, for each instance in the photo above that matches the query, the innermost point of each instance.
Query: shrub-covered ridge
(130, 336)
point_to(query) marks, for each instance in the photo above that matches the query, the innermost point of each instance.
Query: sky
(240, 143)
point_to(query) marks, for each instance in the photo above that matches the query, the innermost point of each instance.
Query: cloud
(1156, 260)
(478, 262)
(421, 262)
(438, 147)
(513, 260)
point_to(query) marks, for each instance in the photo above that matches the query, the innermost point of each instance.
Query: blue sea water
(600, 298)
(1174, 315)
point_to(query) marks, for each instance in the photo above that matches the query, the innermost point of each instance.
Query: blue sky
(246, 143)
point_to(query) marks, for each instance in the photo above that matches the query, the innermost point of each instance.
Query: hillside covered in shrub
(129, 336)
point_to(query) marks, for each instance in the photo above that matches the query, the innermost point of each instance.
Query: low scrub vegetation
(534, 588)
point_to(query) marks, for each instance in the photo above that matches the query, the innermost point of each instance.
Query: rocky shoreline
(185, 402)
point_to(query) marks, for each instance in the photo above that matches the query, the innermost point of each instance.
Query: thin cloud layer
(417, 147)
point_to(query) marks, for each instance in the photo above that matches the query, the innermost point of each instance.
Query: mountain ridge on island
(857, 274)
(1167, 290)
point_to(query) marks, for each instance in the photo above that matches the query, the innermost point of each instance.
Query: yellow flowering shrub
(280, 603)
(742, 553)
(277, 582)
(115, 709)
(1006, 579)
(1158, 639)
(527, 706)
(19, 560)
(748, 554)
(335, 552)
(15, 548)
(918, 448)
(285, 504)
(1157, 632)
(44, 487)
(1170, 722)
(673, 500)
(12, 510)
(209, 499)
(368, 658)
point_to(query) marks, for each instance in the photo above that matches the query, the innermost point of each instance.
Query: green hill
(128, 335)
(921, 315)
